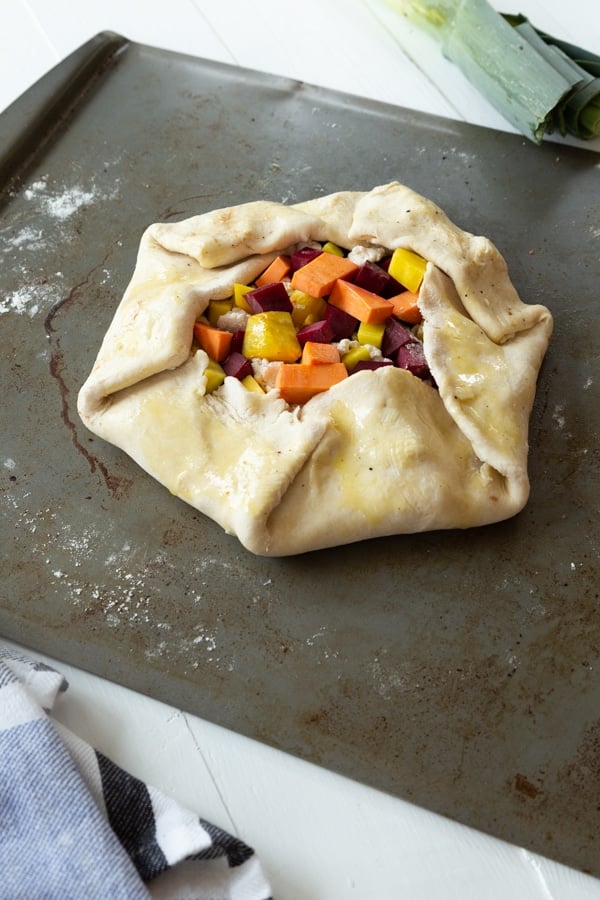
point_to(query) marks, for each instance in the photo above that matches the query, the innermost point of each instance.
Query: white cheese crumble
(361, 254)
(234, 320)
(347, 344)
(265, 372)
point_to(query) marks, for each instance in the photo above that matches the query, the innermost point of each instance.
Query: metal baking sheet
(457, 670)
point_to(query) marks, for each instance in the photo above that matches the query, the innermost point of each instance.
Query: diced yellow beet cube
(217, 308)
(370, 333)
(307, 308)
(330, 247)
(215, 376)
(251, 384)
(238, 296)
(271, 335)
(354, 356)
(408, 268)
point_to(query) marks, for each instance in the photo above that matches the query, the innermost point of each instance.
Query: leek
(537, 83)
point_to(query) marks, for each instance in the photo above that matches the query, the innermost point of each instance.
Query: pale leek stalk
(579, 112)
(530, 78)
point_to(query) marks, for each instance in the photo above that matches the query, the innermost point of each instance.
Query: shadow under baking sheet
(456, 670)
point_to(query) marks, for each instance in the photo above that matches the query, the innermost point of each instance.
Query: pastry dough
(380, 453)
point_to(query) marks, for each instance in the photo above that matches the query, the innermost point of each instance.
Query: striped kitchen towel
(74, 825)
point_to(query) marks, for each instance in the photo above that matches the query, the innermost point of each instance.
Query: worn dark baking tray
(457, 670)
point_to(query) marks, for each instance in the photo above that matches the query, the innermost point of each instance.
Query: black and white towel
(75, 826)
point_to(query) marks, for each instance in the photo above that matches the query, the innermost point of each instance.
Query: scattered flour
(27, 237)
(121, 593)
(323, 648)
(209, 640)
(30, 298)
(36, 290)
(62, 204)
(389, 681)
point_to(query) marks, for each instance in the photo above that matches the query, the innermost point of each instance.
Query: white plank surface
(320, 836)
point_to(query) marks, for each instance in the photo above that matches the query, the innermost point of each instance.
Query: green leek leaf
(536, 82)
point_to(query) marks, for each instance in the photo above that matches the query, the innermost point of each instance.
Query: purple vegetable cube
(372, 278)
(393, 286)
(341, 323)
(237, 365)
(394, 336)
(271, 297)
(237, 341)
(300, 257)
(319, 332)
(371, 364)
(411, 356)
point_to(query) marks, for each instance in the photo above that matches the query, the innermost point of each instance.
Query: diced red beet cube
(237, 341)
(341, 323)
(393, 286)
(394, 336)
(237, 365)
(372, 278)
(371, 364)
(271, 297)
(411, 356)
(319, 332)
(300, 257)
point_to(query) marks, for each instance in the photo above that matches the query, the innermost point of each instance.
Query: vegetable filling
(315, 317)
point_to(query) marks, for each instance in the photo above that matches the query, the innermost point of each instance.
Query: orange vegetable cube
(315, 353)
(213, 341)
(297, 382)
(318, 276)
(406, 307)
(364, 305)
(276, 271)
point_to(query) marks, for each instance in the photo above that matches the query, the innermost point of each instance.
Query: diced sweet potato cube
(319, 275)
(356, 301)
(297, 383)
(315, 353)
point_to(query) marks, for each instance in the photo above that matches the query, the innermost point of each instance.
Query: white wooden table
(319, 836)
